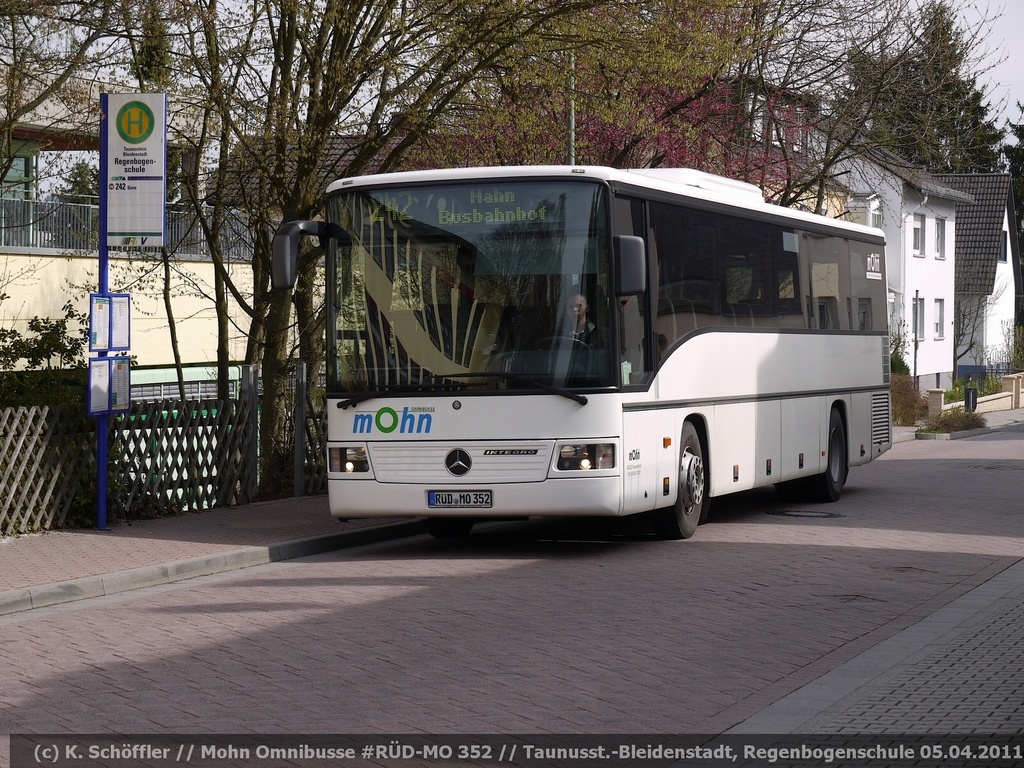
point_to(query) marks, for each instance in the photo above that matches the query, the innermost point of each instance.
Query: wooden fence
(186, 456)
(164, 456)
(49, 460)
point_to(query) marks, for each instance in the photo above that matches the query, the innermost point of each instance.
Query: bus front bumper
(564, 497)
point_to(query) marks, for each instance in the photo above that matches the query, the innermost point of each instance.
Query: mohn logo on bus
(873, 266)
(388, 420)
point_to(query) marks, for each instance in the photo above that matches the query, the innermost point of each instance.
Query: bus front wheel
(680, 521)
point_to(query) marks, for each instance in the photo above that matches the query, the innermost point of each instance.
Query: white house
(918, 213)
(988, 271)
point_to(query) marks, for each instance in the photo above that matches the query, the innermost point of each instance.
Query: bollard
(971, 399)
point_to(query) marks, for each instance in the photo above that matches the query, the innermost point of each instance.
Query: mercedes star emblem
(458, 462)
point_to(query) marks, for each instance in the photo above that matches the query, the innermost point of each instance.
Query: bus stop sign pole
(133, 213)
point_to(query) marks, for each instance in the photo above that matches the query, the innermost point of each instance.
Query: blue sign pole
(103, 420)
(133, 213)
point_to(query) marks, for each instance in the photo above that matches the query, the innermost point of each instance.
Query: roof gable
(979, 228)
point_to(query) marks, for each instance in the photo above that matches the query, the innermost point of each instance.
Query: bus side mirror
(285, 250)
(630, 265)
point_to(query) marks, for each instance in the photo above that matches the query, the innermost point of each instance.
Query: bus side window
(829, 282)
(689, 283)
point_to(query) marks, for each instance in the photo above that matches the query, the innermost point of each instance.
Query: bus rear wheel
(680, 521)
(828, 486)
(449, 527)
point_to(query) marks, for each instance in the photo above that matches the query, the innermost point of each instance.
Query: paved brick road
(543, 628)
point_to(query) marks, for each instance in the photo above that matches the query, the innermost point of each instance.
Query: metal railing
(42, 226)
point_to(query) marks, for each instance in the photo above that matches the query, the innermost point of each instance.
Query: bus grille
(493, 462)
(880, 420)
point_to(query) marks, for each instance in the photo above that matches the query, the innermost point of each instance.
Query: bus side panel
(745, 446)
(647, 460)
(801, 440)
(859, 428)
(732, 452)
(767, 467)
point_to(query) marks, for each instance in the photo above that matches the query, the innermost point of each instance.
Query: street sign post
(133, 214)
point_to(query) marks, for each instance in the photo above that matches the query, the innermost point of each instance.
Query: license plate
(459, 499)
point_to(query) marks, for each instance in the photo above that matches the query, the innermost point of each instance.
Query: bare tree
(284, 97)
(50, 53)
(970, 312)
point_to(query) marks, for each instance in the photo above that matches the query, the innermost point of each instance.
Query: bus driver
(584, 329)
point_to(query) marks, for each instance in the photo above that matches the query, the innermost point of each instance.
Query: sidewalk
(39, 570)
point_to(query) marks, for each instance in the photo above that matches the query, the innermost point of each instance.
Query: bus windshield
(478, 286)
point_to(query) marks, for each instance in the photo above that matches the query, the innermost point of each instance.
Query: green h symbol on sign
(135, 122)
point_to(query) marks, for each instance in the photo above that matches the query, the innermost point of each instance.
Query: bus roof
(682, 181)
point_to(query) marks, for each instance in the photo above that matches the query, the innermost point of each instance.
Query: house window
(918, 319)
(940, 238)
(1002, 246)
(940, 306)
(17, 183)
(864, 210)
(918, 234)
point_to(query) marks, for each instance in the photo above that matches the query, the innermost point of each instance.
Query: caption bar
(406, 751)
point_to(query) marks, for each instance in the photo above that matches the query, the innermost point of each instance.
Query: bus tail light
(585, 456)
(347, 460)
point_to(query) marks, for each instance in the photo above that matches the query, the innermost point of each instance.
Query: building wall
(929, 279)
(39, 284)
(1001, 314)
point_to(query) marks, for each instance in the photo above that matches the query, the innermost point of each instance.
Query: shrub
(898, 365)
(990, 385)
(955, 420)
(908, 407)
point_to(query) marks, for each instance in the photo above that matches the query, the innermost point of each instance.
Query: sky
(1004, 84)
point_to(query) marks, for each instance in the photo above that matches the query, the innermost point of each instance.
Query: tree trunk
(170, 324)
(275, 441)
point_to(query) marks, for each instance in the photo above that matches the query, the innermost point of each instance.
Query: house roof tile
(979, 228)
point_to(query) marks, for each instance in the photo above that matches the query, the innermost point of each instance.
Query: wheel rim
(691, 480)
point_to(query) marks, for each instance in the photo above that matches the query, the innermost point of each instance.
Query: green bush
(898, 365)
(955, 420)
(47, 387)
(990, 385)
(908, 407)
(46, 367)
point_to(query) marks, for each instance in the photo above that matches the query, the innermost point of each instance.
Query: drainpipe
(916, 320)
(913, 315)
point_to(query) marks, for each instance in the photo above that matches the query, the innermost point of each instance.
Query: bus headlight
(347, 460)
(584, 456)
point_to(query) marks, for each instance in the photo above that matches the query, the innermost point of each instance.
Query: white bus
(726, 344)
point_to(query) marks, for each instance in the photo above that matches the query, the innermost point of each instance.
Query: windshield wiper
(529, 379)
(441, 386)
(399, 389)
(575, 396)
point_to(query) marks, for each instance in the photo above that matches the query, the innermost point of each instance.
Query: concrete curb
(953, 435)
(906, 436)
(61, 592)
